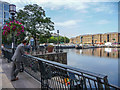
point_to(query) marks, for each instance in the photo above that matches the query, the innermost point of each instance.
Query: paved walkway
(4, 81)
(25, 80)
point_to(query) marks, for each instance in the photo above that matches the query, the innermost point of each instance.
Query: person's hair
(24, 41)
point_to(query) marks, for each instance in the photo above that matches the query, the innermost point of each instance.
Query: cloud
(68, 23)
(103, 22)
(104, 8)
(80, 5)
(99, 9)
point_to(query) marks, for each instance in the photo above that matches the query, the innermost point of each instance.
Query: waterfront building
(87, 39)
(104, 38)
(113, 37)
(78, 40)
(97, 39)
(73, 40)
(4, 15)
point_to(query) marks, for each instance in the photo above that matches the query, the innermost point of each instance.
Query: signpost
(32, 43)
(0, 35)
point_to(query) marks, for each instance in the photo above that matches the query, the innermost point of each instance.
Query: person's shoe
(21, 70)
(15, 79)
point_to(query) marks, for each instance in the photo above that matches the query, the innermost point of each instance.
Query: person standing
(2, 49)
(17, 59)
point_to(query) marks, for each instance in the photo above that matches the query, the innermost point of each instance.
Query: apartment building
(87, 39)
(104, 38)
(73, 40)
(97, 39)
(78, 40)
(113, 37)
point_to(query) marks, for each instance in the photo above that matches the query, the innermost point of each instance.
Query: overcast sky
(78, 17)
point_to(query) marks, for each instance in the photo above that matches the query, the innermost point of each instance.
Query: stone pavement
(4, 81)
(25, 80)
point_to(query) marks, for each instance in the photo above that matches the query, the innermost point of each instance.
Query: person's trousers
(15, 69)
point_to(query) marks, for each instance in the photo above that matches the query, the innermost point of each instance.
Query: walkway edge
(4, 81)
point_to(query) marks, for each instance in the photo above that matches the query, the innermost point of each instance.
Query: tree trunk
(35, 42)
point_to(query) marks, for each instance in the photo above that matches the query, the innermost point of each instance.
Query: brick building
(113, 37)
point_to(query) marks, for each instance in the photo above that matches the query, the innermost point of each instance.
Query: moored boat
(78, 47)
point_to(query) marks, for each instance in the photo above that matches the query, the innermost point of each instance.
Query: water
(100, 60)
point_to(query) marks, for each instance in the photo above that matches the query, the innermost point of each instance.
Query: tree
(35, 21)
(66, 40)
(61, 39)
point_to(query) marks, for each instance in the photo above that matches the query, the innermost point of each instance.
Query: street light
(58, 40)
(12, 10)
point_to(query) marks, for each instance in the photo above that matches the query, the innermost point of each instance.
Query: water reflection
(100, 52)
(98, 60)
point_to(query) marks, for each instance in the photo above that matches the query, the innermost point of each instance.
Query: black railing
(53, 75)
(7, 53)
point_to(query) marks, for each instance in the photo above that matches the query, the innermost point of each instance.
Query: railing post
(42, 71)
(83, 82)
(106, 83)
(100, 87)
(72, 85)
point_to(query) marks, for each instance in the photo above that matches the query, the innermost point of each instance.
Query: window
(0, 19)
(1, 14)
(6, 7)
(6, 15)
(1, 6)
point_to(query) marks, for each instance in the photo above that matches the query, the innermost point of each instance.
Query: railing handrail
(85, 74)
(70, 68)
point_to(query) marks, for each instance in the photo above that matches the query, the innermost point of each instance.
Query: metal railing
(7, 53)
(53, 75)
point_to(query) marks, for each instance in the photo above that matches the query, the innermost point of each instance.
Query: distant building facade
(96, 39)
(73, 40)
(4, 12)
(4, 15)
(113, 37)
(104, 38)
(87, 39)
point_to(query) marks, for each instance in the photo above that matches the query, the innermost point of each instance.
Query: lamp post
(58, 40)
(12, 11)
(0, 36)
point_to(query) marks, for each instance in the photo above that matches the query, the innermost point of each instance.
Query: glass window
(1, 5)
(1, 14)
(6, 7)
(0, 19)
(6, 15)
(1, 10)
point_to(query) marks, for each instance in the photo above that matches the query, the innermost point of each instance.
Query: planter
(50, 49)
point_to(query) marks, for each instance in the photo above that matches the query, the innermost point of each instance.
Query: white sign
(31, 39)
(12, 45)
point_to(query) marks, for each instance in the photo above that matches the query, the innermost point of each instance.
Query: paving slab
(25, 80)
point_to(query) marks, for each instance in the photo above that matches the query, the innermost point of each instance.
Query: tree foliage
(35, 21)
(59, 39)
